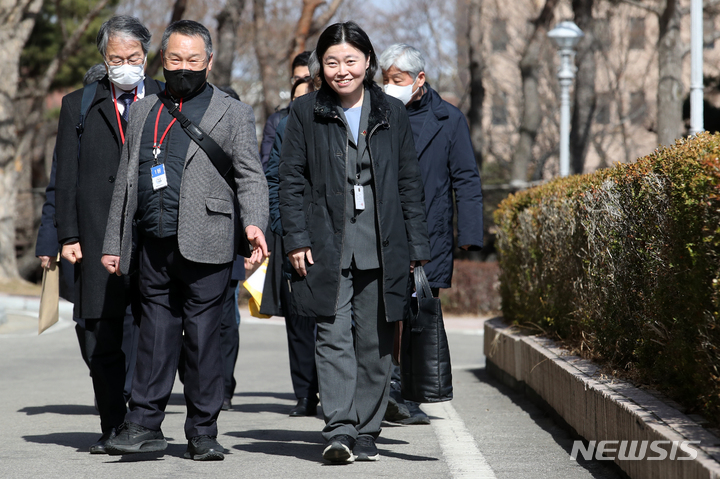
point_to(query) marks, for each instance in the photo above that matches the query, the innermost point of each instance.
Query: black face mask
(183, 83)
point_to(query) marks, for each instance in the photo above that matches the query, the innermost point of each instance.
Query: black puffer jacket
(313, 183)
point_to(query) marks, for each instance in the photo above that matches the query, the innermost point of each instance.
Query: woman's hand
(297, 260)
(413, 263)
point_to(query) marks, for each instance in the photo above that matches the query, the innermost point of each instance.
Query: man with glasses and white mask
(448, 168)
(91, 133)
(189, 199)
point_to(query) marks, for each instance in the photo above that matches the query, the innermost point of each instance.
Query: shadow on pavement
(65, 409)
(306, 445)
(284, 409)
(552, 423)
(80, 441)
(283, 396)
(173, 450)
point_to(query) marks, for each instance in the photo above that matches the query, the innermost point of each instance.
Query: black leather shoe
(227, 404)
(204, 448)
(305, 407)
(131, 438)
(99, 446)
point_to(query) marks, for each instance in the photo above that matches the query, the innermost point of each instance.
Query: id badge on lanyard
(159, 178)
(359, 197)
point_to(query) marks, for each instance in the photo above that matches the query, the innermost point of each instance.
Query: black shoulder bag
(220, 160)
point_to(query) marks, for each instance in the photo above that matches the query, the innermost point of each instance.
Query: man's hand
(257, 241)
(111, 263)
(72, 252)
(297, 260)
(46, 261)
(413, 263)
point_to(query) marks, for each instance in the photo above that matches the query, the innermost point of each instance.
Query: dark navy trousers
(181, 309)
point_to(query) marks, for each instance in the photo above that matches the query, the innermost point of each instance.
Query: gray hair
(95, 73)
(404, 57)
(313, 65)
(123, 26)
(188, 28)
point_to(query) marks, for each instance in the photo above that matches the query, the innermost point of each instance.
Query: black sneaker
(339, 449)
(365, 449)
(131, 438)
(204, 448)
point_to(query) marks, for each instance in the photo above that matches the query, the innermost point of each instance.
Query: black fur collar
(326, 101)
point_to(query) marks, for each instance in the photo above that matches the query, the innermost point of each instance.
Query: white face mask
(125, 76)
(402, 93)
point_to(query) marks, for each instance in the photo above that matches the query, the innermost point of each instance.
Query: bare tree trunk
(17, 19)
(585, 97)
(270, 60)
(531, 116)
(477, 89)
(306, 26)
(227, 31)
(266, 60)
(177, 14)
(669, 93)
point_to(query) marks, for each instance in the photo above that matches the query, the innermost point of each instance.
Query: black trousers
(106, 359)
(181, 309)
(301, 331)
(229, 340)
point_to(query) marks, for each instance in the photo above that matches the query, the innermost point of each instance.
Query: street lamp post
(566, 36)
(696, 78)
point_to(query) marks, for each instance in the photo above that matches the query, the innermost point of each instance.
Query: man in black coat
(86, 169)
(299, 70)
(447, 166)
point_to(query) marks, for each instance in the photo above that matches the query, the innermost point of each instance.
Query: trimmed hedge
(624, 264)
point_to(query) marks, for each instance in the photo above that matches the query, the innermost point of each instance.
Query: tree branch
(178, 11)
(58, 14)
(324, 18)
(650, 8)
(70, 46)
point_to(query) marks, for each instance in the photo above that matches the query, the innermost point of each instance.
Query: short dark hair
(308, 80)
(230, 91)
(300, 60)
(123, 25)
(188, 28)
(352, 34)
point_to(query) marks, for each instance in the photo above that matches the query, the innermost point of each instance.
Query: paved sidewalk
(48, 418)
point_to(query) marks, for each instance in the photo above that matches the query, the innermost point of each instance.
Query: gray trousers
(353, 356)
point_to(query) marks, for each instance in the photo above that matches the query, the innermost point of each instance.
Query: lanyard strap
(117, 111)
(156, 145)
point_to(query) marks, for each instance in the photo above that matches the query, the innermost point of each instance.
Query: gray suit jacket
(208, 231)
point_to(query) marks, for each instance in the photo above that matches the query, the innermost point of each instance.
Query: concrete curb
(599, 408)
(16, 303)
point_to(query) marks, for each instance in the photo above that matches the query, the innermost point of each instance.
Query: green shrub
(625, 263)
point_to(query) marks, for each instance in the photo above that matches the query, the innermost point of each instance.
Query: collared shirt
(118, 92)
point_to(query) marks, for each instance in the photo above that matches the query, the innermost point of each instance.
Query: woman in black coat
(351, 206)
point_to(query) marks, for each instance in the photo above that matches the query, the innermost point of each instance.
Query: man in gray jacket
(187, 220)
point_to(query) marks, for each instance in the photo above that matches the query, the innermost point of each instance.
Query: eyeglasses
(116, 62)
(193, 63)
